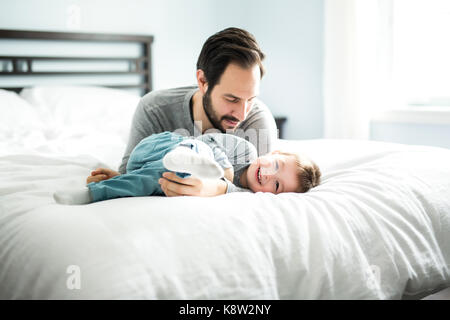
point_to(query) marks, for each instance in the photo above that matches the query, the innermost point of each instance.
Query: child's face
(274, 173)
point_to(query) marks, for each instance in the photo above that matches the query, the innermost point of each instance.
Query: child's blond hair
(308, 173)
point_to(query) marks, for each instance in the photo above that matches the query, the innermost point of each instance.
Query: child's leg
(73, 196)
(193, 157)
(152, 148)
(137, 183)
(142, 182)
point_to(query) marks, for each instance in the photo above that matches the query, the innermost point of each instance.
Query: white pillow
(20, 125)
(81, 109)
(16, 112)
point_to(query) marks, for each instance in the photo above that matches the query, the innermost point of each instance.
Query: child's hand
(100, 174)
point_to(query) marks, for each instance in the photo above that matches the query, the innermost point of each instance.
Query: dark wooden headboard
(22, 65)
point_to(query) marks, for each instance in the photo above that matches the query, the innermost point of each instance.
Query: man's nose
(241, 111)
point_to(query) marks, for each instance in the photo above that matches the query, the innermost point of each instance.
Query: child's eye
(276, 165)
(276, 186)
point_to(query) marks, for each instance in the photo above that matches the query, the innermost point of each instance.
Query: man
(229, 71)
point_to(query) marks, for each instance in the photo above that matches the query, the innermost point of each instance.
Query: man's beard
(212, 116)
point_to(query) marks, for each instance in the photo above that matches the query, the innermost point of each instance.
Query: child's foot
(183, 159)
(73, 196)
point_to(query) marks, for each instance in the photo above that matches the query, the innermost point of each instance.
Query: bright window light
(421, 52)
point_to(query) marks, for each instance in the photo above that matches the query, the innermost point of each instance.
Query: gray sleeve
(260, 129)
(233, 188)
(236, 150)
(221, 158)
(220, 155)
(243, 153)
(143, 125)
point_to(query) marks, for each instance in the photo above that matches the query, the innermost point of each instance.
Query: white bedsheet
(378, 227)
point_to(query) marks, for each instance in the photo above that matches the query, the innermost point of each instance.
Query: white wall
(290, 33)
(178, 31)
(411, 133)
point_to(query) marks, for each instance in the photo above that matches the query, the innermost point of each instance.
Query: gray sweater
(170, 110)
(230, 150)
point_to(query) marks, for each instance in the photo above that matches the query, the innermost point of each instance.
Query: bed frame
(141, 65)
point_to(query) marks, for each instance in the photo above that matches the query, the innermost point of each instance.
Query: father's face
(231, 99)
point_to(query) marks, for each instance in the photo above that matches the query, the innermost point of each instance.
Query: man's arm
(142, 126)
(174, 186)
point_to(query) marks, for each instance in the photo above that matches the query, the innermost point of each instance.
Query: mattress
(378, 227)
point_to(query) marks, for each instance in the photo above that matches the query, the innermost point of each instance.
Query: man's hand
(100, 174)
(174, 186)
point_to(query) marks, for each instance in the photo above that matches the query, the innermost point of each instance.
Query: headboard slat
(140, 65)
(77, 36)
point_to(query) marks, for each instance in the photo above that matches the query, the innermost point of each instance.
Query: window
(421, 52)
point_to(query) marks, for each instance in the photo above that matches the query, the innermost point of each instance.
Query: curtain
(356, 65)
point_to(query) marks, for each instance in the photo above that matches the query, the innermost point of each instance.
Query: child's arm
(233, 188)
(229, 174)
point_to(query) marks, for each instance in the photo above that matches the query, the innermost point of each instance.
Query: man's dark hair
(232, 45)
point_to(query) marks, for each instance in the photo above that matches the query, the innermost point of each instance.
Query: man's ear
(201, 81)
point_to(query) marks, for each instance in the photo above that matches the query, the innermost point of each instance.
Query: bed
(378, 226)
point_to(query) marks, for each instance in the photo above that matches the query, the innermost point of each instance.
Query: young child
(209, 156)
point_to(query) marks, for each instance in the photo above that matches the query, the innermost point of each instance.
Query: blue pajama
(144, 169)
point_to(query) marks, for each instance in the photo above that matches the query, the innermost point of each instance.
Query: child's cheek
(255, 188)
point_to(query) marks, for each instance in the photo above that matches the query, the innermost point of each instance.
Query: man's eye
(232, 101)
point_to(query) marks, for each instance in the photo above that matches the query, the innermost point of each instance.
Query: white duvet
(378, 227)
